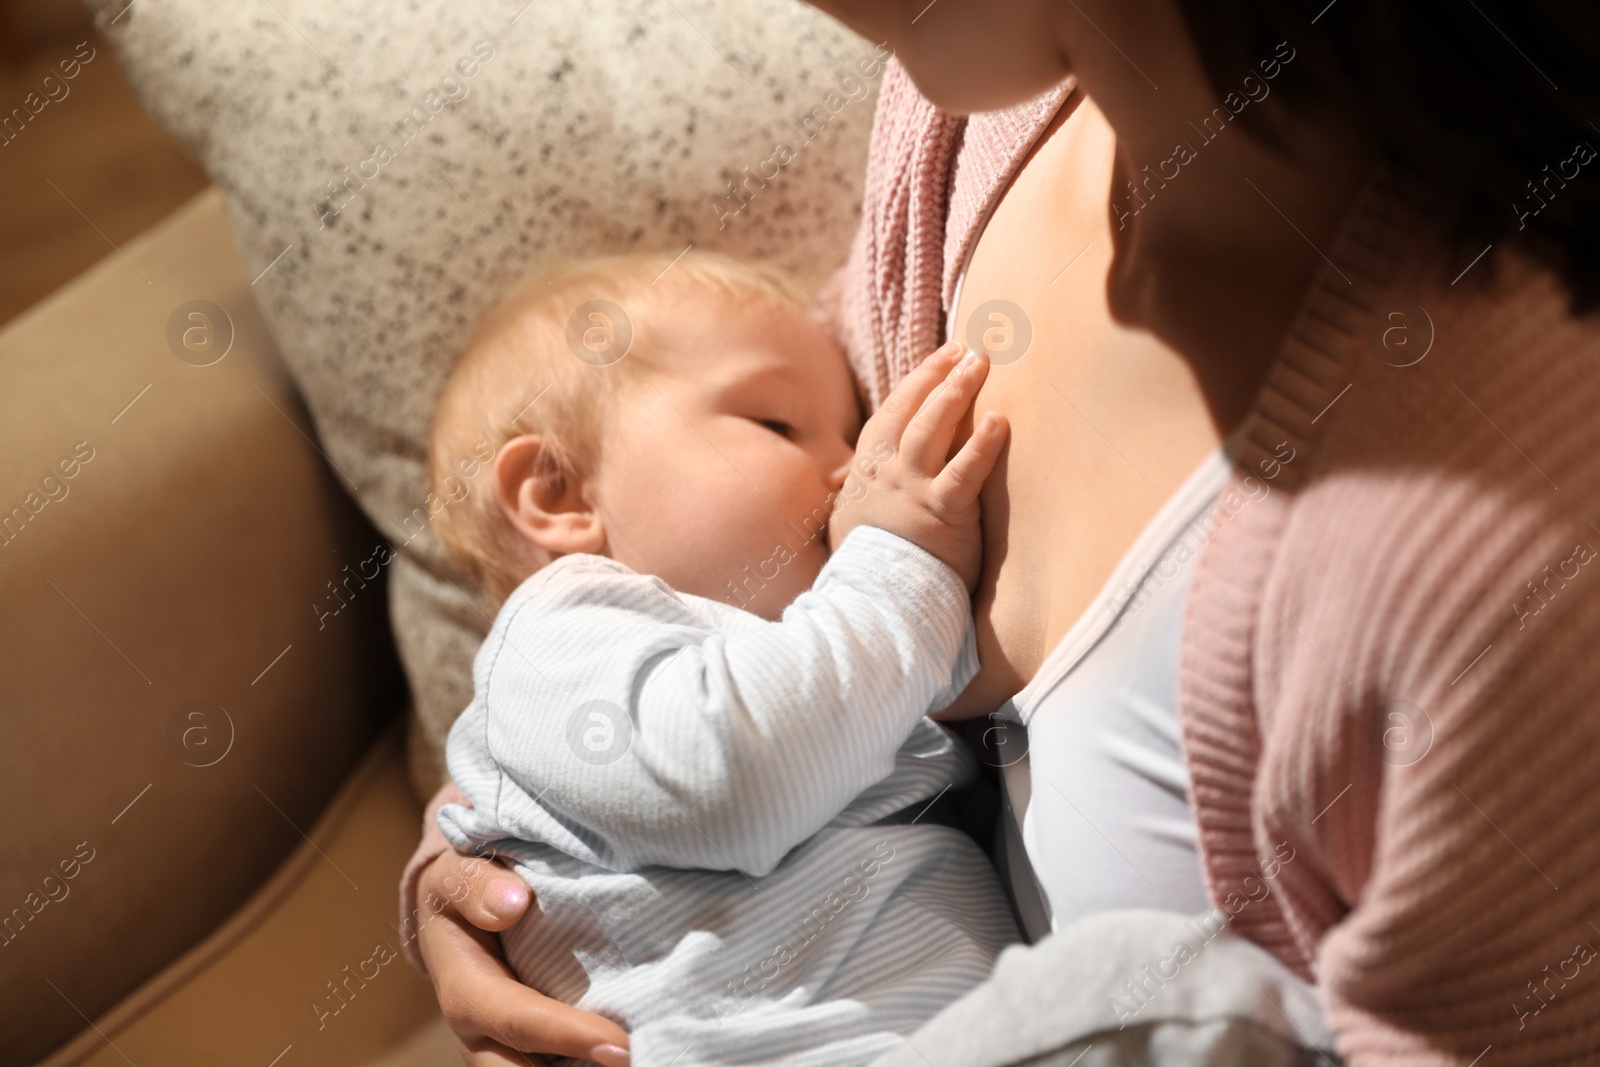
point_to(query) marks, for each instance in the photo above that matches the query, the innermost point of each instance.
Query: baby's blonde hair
(535, 364)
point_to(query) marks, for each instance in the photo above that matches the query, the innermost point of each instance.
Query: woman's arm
(451, 938)
(1477, 914)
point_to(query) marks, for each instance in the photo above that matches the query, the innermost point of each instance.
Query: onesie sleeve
(630, 726)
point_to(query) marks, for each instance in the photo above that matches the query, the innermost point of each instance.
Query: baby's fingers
(956, 487)
(926, 441)
(898, 408)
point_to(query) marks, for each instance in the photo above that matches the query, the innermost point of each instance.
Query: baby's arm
(619, 725)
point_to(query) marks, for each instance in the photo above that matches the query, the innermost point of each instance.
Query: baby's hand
(900, 480)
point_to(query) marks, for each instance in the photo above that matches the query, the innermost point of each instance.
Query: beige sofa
(206, 791)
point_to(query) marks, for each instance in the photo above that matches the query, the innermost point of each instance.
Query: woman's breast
(1106, 422)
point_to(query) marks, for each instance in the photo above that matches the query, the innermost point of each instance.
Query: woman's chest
(1106, 422)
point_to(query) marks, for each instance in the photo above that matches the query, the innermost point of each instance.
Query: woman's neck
(1215, 261)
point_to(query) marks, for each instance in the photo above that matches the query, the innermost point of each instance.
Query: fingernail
(968, 358)
(507, 900)
(609, 1056)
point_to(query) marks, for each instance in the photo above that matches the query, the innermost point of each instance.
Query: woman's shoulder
(1418, 479)
(1477, 406)
(1449, 500)
(1436, 400)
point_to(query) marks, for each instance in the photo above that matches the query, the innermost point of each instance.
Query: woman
(1352, 329)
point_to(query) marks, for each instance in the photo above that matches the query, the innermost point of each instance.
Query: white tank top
(1097, 811)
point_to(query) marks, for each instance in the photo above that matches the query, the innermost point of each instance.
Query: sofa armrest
(179, 694)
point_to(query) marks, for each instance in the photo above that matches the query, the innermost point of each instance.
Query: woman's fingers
(957, 486)
(926, 441)
(888, 423)
(487, 1008)
(492, 1012)
(485, 1053)
(487, 895)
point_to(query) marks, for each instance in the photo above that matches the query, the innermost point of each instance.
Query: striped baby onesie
(719, 815)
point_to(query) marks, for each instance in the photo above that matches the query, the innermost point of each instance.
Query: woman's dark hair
(1491, 101)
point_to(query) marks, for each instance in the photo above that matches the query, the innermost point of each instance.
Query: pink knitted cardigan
(1391, 653)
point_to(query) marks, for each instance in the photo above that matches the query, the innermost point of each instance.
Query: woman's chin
(957, 94)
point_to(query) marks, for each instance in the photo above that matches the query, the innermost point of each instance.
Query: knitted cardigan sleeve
(1473, 931)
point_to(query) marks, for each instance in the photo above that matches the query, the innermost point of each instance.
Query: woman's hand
(494, 1016)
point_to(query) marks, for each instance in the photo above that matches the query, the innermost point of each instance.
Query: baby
(702, 740)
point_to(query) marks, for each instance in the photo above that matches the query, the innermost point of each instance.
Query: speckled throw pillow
(390, 169)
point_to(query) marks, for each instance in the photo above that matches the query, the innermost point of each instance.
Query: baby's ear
(546, 504)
